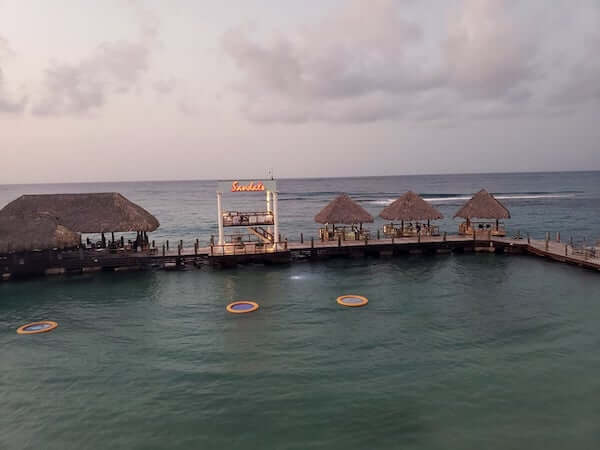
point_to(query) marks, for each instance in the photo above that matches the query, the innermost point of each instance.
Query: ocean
(452, 351)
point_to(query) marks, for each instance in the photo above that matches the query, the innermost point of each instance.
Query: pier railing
(247, 248)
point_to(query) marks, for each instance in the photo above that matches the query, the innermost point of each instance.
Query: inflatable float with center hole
(37, 327)
(242, 307)
(352, 300)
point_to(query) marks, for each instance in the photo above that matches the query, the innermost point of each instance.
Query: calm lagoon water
(452, 351)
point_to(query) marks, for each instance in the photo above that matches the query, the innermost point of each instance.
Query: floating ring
(352, 300)
(242, 307)
(37, 327)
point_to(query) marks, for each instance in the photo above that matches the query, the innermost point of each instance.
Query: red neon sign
(251, 187)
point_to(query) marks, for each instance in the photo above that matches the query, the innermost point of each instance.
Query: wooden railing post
(339, 240)
(302, 238)
(419, 236)
(163, 250)
(445, 237)
(378, 235)
(312, 242)
(167, 245)
(528, 239)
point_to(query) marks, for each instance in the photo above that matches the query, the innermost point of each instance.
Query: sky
(124, 90)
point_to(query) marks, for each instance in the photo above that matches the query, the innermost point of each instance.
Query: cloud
(164, 87)
(371, 61)
(9, 103)
(84, 86)
(335, 70)
(113, 68)
(486, 54)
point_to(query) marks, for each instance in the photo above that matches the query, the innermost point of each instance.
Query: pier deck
(78, 261)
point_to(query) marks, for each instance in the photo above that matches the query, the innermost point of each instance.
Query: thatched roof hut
(85, 213)
(483, 205)
(24, 233)
(343, 210)
(410, 207)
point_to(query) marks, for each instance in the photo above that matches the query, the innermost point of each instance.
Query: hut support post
(220, 217)
(275, 217)
(269, 210)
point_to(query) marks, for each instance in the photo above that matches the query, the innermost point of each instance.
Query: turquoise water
(453, 351)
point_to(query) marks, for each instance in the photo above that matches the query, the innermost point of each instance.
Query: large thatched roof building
(26, 233)
(483, 205)
(343, 210)
(410, 207)
(85, 213)
(47, 221)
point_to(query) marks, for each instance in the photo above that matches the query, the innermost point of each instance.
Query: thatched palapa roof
(85, 213)
(343, 210)
(410, 207)
(483, 205)
(25, 233)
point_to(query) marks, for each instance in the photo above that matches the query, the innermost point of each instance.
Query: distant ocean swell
(441, 198)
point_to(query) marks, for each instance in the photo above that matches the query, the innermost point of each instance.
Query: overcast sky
(190, 89)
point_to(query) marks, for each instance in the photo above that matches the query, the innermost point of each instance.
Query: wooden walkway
(78, 261)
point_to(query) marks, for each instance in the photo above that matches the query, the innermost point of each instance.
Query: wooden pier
(84, 260)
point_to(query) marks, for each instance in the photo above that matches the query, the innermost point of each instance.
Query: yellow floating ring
(242, 307)
(352, 300)
(37, 327)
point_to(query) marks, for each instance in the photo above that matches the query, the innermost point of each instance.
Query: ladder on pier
(262, 234)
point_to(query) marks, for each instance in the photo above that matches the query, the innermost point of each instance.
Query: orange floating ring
(37, 327)
(352, 300)
(242, 307)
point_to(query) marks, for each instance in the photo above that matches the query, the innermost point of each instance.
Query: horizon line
(304, 178)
